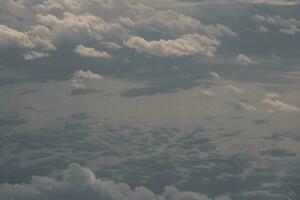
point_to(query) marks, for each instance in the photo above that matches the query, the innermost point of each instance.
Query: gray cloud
(90, 52)
(81, 183)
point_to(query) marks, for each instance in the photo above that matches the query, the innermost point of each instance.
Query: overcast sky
(149, 99)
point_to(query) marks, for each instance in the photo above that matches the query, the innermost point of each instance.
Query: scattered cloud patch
(112, 45)
(244, 60)
(10, 37)
(90, 52)
(79, 78)
(288, 26)
(187, 45)
(215, 75)
(246, 106)
(32, 55)
(278, 105)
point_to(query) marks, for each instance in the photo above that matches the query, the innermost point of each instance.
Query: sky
(149, 99)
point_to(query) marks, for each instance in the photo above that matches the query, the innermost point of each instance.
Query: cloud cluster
(12, 37)
(289, 26)
(51, 23)
(81, 183)
(80, 76)
(277, 105)
(32, 55)
(90, 52)
(187, 45)
(244, 60)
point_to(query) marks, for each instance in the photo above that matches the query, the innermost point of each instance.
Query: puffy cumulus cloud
(80, 76)
(277, 105)
(11, 37)
(244, 60)
(32, 55)
(187, 45)
(86, 75)
(138, 15)
(172, 22)
(81, 183)
(76, 28)
(289, 26)
(90, 52)
(48, 24)
(36, 38)
(41, 36)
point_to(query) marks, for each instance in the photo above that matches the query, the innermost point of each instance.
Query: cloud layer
(81, 183)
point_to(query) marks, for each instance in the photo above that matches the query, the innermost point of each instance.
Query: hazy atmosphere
(149, 99)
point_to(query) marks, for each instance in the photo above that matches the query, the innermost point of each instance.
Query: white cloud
(244, 60)
(138, 15)
(90, 52)
(215, 75)
(76, 28)
(289, 26)
(80, 76)
(278, 105)
(12, 37)
(32, 55)
(187, 45)
(81, 183)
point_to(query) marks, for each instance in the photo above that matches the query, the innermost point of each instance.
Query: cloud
(187, 45)
(244, 60)
(234, 89)
(208, 93)
(86, 75)
(79, 78)
(263, 29)
(90, 52)
(138, 15)
(32, 55)
(278, 105)
(112, 45)
(215, 75)
(273, 96)
(76, 28)
(246, 106)
(10, 38)
(288, 26)
(81, 183)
